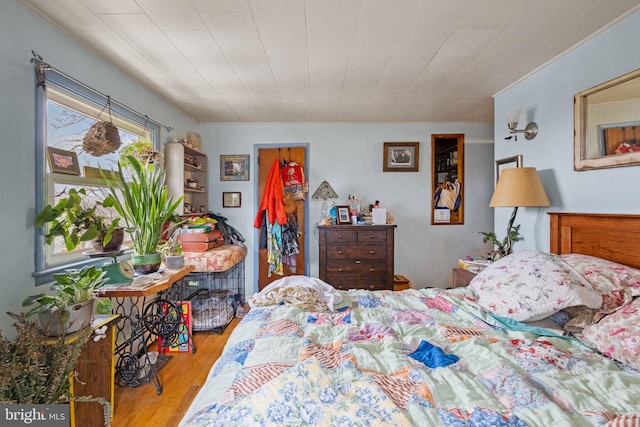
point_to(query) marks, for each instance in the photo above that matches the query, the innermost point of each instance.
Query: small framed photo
(231, 199)
(234, 167)
(401, 156)
(506, 163)
(344, 217)
(63, 161)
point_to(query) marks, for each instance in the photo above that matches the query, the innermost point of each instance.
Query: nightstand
(461, 277)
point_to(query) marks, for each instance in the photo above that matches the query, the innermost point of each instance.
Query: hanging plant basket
(101, 138)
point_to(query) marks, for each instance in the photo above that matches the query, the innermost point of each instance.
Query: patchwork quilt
(427, 357)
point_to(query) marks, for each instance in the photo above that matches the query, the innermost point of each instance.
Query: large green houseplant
(70, 306)
(144, 204)
(77, 223)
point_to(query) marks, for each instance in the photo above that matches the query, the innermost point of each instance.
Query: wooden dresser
(357, 256)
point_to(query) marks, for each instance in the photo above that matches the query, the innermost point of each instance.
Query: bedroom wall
(546, 97)
(22, 31)
(349, 156)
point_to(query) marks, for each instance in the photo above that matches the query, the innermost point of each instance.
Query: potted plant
(70, 306)
(171, 250)
(74, 221)
(503, 247)
(145, 205)
(35, 369)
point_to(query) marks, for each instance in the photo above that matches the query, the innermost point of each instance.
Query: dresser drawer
(356, 252)
(346, 236)
(354, 268)
(376, 236)
(369, 285)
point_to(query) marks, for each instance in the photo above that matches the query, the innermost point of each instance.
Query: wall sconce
(530, 130)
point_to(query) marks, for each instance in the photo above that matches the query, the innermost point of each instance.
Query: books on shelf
(474, 263)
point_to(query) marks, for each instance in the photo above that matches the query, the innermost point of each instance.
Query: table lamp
(324, 192)
(518, 187)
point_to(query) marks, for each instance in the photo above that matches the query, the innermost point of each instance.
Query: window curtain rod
(42, 67)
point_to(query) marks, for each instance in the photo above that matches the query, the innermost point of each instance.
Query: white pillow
(532, 285)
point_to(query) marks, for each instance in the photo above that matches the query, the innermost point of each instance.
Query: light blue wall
(22, 31)
(546, 97)
(349, 156)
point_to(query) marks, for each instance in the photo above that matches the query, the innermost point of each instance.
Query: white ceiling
(330, 60)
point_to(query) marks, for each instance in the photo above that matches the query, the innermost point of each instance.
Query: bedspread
(424, 357)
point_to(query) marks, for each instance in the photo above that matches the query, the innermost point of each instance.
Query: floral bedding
(425, 357)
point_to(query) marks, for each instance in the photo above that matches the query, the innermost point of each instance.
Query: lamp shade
(324, 192)
(519, 187)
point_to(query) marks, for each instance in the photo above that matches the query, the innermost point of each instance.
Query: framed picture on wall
(234, 167)
(231, 199)
(401, 156)
(506, 163)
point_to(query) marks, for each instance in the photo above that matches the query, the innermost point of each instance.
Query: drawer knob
(372, 236)
(372, 270)
(371, 286)
(340, 252)
(358, 261)
(340, 269)
(339, 236)
(372, 252)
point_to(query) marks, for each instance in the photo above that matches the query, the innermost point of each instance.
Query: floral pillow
(616, 283)
(617, 335)
(532, 285)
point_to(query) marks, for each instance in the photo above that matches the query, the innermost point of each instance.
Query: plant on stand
(70, 306)
(77, 223)
(145, 205)
(503, 247)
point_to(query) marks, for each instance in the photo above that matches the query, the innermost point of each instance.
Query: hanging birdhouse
(101, 138)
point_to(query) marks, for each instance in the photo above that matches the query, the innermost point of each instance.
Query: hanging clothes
(272, 199)
(293, 180)
(272, 211)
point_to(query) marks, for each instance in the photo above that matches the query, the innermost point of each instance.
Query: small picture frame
(234, 167)
(344, 216)
(401, 157)
(231, 199)
(506, 163)
(63, 161)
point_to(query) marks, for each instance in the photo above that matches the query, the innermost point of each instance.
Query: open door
(295, 212)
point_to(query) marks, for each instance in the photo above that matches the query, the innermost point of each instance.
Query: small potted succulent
(171, 250)
(70, 306)
(71, 219)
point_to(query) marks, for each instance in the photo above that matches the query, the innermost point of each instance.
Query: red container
(201, 242)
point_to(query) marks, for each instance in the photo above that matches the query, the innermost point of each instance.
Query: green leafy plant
(503, 247)
(74, 286)
(143, 202)
(75, 222)
(171, 247)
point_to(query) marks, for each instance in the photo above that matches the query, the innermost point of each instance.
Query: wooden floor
(181, 378)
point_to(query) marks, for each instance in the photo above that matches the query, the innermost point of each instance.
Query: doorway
(296, 209)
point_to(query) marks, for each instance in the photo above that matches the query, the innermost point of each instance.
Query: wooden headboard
(615, 237)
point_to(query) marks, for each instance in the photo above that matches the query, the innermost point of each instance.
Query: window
(65, 111)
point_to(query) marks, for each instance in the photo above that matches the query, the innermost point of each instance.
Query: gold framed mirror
(607, 124)
(447, 172)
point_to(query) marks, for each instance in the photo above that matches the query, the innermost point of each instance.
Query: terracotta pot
(115, 244)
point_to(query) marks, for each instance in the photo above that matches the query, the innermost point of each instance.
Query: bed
(307, 354)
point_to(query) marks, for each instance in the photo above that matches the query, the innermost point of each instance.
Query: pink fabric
(217, 259)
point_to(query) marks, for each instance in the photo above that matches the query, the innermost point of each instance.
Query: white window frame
(73, 95)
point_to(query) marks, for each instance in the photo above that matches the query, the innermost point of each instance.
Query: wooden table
(132, 333)
(461, 277)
